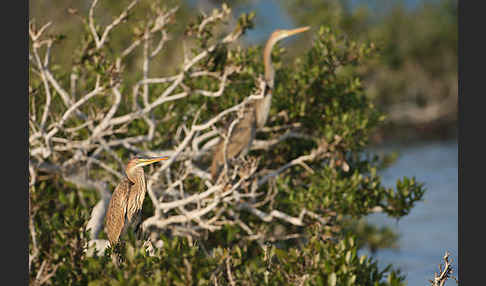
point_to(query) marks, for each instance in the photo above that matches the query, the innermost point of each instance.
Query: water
(270, 15)
(431, 228)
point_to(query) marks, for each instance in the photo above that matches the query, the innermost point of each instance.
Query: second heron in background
(256, 115)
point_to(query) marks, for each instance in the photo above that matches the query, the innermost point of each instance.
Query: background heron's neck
(267, 60)
(263, 105)
(263, 109)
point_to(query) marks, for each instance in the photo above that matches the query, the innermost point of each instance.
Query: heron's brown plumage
(125, 208)
(115, 215)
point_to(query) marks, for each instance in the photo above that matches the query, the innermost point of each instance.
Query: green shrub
(301, 227)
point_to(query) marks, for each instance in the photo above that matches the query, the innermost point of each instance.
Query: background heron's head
(280, 34)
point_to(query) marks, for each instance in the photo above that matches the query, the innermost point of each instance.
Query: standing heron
(256, 115)
(125, 208)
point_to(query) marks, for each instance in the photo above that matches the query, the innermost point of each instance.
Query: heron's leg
(142, 234)
(116, 253)
(147, 242)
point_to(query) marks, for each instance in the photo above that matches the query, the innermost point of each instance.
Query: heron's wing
(115, 215)
(240, 140)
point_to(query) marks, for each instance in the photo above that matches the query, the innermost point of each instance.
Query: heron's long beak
(298, 30)
(144, 162)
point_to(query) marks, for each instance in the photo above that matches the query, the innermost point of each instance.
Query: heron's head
(281, 34)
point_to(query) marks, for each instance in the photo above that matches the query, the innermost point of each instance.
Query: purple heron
(125, 208)
(256, 115)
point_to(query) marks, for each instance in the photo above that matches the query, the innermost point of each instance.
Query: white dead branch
(81, 146)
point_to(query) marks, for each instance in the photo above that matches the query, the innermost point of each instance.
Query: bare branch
(88, 152)
(100, 41)
(445, 272)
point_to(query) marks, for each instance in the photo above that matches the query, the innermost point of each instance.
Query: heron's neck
(140, 185)
(137, 177)
(140, 180)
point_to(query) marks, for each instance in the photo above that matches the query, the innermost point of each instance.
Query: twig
(445, 272)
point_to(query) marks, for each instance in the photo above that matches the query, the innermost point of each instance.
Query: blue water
(431, 228)
(271, 16)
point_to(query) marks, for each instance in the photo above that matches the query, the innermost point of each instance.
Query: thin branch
(228, 270)
(100, 41)
(445, 272)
